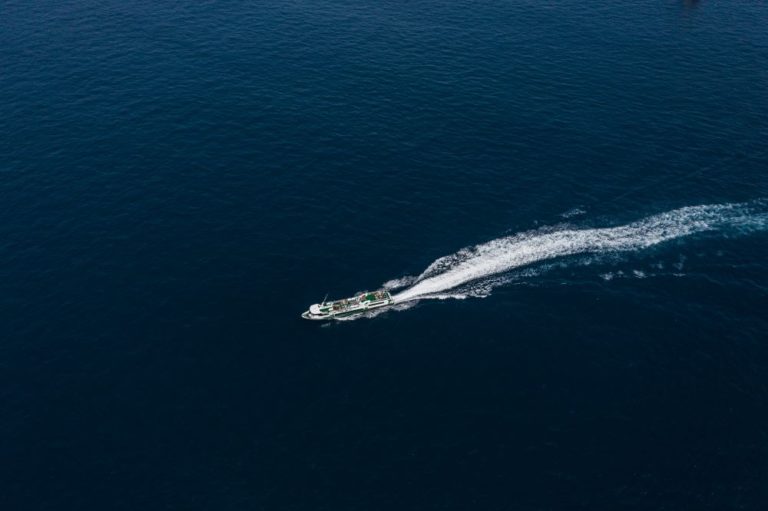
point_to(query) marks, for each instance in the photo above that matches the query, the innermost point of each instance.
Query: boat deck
(348, 306)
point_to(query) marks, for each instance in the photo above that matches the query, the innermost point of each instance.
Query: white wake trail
(482, 262)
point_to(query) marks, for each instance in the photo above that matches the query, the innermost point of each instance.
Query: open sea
(568, 199)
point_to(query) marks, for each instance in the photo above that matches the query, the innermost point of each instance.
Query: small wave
(573, 212)
(398, 283)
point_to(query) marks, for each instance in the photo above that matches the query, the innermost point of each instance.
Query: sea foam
(489, 264)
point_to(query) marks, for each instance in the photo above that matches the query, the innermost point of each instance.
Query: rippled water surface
(569, 200)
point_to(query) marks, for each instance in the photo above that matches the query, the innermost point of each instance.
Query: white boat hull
(348, 307)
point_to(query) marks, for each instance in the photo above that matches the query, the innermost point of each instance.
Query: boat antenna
(325, 298)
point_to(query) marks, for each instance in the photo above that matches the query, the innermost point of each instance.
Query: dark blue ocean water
(179, 181)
